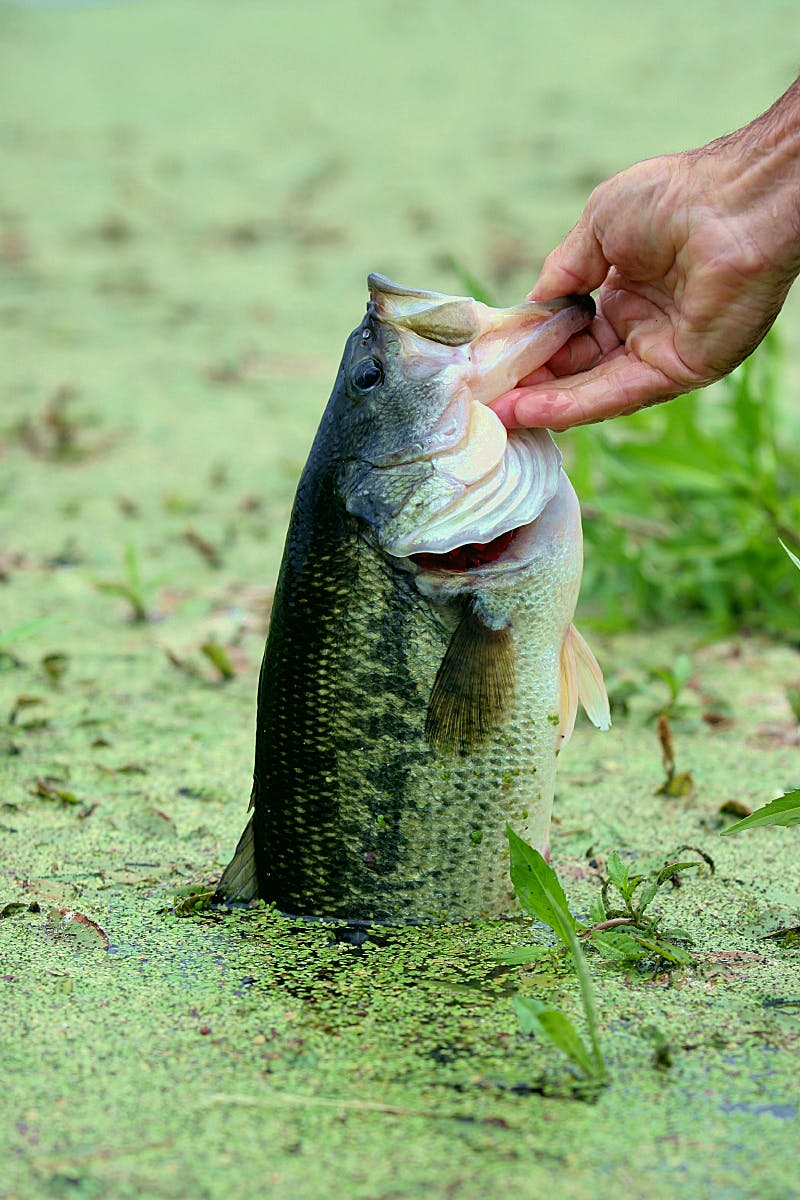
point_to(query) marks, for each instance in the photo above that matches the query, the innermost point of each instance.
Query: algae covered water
(191, 196)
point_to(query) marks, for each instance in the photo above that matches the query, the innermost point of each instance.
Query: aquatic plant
(540, 893)
(620, 928)
(131, 587)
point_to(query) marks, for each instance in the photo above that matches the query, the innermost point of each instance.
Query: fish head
(423, 460)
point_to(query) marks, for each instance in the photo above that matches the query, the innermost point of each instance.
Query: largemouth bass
(421, 671)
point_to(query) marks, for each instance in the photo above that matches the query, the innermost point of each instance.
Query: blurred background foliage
(684, 506)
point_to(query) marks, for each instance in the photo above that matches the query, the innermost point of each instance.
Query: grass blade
(540, 893)
(793, 557)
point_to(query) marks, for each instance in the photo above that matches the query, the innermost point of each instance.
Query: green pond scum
(190, 198)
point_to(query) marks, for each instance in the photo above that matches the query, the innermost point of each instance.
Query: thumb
(578, 265)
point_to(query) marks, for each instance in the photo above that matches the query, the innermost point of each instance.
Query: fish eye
(367, 374)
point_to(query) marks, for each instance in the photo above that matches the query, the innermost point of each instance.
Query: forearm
(757, 171)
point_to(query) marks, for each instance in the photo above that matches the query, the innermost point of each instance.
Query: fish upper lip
(479, 369)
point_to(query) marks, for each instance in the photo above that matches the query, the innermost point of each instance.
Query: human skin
(693, 253)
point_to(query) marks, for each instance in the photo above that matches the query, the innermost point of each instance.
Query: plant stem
(610, 924)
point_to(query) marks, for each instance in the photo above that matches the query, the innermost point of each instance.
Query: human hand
(693, 254)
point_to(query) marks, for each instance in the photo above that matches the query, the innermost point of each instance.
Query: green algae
(178, 246)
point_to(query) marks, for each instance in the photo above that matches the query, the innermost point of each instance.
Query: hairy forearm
(757, 168)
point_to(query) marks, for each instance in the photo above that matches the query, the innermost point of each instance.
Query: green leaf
(540, 893)
(617, 947)
(674, 868)
(646, 895)
(552, 1025)
(783, 811)
(617, 872)
(538, 889)
(676, 934)
(587, 996)
(673, 954)
(526, 954)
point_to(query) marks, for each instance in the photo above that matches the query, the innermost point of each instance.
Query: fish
(421, 671)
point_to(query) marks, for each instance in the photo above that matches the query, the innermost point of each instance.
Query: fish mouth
(487, 481)
(472, 556)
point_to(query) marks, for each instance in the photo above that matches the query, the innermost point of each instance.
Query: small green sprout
(219, 658)
(541, 895)
(674, 677)
(130, 588)
(623, 932)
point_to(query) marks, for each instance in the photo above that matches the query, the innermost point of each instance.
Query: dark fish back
(340, 718)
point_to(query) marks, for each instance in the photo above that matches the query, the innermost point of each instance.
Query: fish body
(421, 669)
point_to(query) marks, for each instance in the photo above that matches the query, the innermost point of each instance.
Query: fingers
(620, 384)
(582, 352)
(578, 265)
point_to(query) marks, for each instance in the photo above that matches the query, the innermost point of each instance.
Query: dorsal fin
(474, 685)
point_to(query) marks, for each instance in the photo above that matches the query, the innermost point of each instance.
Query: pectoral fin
(581, 679)
(239, 879)
(474, 685)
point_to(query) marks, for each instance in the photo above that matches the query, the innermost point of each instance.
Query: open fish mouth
(483, 482)
(470, 557)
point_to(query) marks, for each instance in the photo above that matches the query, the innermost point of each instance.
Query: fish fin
(239, 879)
(591, 686)
(581, 679)
(568, 704)
(474, 685)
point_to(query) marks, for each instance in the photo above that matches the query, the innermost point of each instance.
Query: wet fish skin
(357, 812)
